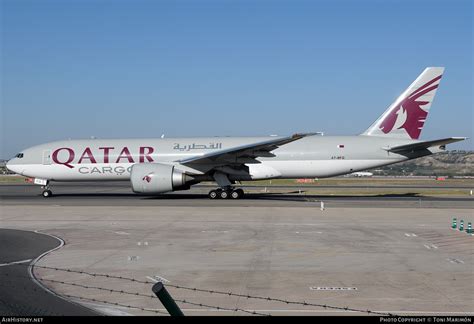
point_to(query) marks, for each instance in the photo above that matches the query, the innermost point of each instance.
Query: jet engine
(157, 178)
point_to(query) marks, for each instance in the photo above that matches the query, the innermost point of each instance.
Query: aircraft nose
(12, 166)
(9, 165)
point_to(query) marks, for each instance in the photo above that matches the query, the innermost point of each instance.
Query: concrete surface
(404, 260)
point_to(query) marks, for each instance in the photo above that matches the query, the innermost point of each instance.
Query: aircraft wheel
(47, 193)
(224, 194)
(213, 194)
(237, 194)
(241, 193)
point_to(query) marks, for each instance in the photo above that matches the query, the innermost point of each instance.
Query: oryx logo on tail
(409, 114)
(406, 117)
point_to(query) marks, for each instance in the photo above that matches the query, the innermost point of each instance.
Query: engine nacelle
(156, 178)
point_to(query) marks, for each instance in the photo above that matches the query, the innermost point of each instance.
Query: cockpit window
(19, 155)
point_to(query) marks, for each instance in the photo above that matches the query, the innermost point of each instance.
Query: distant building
(304, 180)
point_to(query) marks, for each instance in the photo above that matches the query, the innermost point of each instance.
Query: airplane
(361, 174)
(160, 165)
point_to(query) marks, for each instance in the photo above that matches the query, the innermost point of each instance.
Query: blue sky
(75, 69)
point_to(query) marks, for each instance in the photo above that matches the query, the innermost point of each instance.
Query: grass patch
(5, 179)
(365, 192)
(363, 182)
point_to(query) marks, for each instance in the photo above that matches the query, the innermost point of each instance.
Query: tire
(213, 194)
(241, 193)
(235, 194)
(47, 193)
(224, 194)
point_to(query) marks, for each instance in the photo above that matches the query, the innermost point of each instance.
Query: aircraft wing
(244, 153)
(423, 145)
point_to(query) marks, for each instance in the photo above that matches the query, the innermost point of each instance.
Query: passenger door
(47, 157)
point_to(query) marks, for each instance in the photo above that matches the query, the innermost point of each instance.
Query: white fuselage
(106, 160)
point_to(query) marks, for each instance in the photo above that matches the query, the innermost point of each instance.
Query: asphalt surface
(120, 194)
(20, 294)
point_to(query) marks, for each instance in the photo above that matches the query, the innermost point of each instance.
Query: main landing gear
(226, 190)
(226, 193)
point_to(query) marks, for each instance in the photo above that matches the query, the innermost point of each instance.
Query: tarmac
(385, 254)
(120, 194)
(22, 294)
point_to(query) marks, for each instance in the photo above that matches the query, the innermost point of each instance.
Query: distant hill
(450, 163)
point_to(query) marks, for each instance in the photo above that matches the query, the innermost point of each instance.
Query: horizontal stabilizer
(423, 145)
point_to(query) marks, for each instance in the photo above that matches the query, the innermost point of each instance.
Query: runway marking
(333, 288)
(429, 247)
(296, 224)
(410, 235)
(38, 282)
(458, 261)
(309, 232)
(144, 243)
(109, 310)
(158, 279)
(14, 262)
(133, 258)
(122, 233)
(214, 231)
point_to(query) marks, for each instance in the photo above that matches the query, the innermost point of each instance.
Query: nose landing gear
(47, 193)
